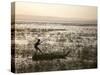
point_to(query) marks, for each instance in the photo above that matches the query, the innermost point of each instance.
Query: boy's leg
(39, 49)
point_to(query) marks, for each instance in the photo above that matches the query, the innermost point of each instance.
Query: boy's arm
(41, 42)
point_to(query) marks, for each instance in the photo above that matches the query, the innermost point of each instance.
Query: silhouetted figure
(36, 46)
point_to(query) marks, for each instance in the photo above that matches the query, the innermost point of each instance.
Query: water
(80, 40)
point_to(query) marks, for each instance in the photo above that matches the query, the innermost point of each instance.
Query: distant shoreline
(62, 23)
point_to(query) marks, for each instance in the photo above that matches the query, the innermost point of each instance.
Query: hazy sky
(65, 11)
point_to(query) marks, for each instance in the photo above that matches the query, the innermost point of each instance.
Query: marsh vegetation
(57, 39)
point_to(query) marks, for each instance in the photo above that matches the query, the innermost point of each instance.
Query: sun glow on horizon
(55, 10)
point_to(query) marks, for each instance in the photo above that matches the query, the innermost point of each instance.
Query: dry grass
(81, 41)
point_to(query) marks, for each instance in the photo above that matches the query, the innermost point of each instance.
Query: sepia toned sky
(55, 10)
